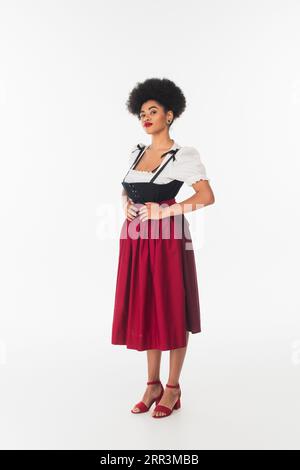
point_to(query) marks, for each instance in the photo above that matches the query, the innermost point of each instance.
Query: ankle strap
(172, 386)
(154, 382)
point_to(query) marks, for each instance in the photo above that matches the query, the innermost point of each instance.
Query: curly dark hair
(162, 90)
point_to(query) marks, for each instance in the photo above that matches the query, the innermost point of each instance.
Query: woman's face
(153, 117)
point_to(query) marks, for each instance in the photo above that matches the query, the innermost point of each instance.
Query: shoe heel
(177, 404)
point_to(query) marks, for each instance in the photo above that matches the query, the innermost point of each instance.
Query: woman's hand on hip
(130, 210)
(150, 210)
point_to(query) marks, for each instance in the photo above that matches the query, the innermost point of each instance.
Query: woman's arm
(129, 208)
(203, 196)
(125, 197)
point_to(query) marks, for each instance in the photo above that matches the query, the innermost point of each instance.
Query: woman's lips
(148, 124)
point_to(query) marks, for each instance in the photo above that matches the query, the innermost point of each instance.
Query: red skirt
(156, 296)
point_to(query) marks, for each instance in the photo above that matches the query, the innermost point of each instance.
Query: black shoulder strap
(139, 156)
(141, 149)
(161, 169)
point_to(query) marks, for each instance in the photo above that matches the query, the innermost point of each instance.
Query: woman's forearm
(125, 197)
(188, 205)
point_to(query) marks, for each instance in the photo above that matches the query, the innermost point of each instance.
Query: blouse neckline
(175, 145)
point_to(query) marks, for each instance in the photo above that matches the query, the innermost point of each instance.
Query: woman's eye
(142, 116)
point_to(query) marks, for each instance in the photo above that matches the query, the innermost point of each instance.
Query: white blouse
(187, 167)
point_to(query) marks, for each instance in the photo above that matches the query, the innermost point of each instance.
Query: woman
(156, 297)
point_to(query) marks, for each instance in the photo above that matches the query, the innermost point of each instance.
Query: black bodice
(141, 192)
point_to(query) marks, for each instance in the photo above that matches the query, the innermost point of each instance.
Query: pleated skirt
(156, 295)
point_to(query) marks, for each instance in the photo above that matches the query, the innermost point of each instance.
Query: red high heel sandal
(141, 405)
(166, 409)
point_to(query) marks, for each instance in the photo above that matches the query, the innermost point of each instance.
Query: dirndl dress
(156, 295)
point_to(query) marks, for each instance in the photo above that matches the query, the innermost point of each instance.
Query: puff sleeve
(188, 166)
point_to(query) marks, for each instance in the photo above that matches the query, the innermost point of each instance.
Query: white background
(67, 68)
